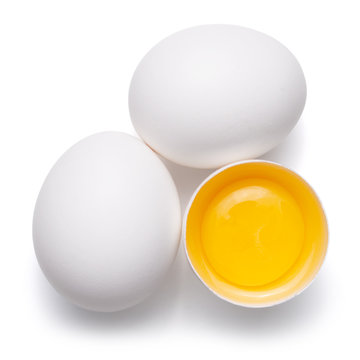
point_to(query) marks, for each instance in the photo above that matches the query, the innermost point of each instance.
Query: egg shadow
(155, 310)
(202, 309)
(289, 151)
(183, 299)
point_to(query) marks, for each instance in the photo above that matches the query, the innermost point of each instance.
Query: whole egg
(107, 222)
(215, 94)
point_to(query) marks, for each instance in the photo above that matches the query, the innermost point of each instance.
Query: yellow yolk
(256, 233)
(252, 232)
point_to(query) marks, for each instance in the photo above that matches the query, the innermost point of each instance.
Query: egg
(255, 233)
(215, 94)
(106, 223)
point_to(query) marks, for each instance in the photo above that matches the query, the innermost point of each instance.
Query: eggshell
(107, 222)
(215, 94)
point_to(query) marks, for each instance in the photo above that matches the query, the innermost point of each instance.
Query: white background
(65, 68)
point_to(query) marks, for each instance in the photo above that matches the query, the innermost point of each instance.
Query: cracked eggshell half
(255, 233)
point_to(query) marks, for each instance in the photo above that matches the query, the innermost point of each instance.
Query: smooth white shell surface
(215, 94)
(107, 222)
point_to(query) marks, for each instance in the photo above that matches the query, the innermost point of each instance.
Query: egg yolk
(252, 232)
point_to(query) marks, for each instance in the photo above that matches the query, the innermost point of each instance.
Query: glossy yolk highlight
(252, 232)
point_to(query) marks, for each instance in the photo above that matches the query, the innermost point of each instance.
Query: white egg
(215, 94)
(107, 222)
